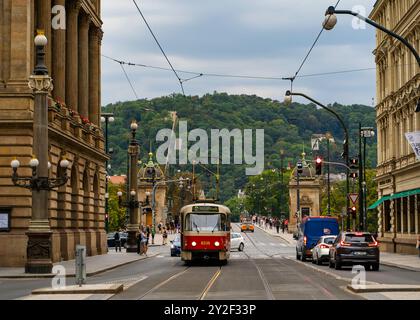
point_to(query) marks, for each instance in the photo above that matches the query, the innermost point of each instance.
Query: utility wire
(200, 74)
(310, 50)
(129, 81)
(160, 47)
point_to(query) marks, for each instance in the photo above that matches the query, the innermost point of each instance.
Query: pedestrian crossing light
(318, 166)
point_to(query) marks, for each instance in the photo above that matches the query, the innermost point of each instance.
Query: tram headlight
(193, 243)
(216, 243)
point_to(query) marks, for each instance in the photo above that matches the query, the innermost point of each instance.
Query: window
(306, 211)
(5, 224)
(359, 238)
(329, 240)
(205, 222)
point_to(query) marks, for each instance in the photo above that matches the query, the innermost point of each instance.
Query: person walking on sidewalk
(277, 225)
(286, 225)
(164, 236)
(117, 241)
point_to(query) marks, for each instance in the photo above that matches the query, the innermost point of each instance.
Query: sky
(267, 38)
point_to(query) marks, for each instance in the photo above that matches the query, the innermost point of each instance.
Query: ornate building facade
(76, 210)
(309, 194)
(398, 83)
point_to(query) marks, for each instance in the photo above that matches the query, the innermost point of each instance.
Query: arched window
(86, 197)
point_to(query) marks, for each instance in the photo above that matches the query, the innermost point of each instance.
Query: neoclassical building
(310, 187)
(76, 210)
(398, 83)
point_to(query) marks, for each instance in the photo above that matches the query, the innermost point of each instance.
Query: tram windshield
(205, 222)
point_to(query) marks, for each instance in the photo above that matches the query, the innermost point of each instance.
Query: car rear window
(329, 240)
(359, 238)
(321, 228)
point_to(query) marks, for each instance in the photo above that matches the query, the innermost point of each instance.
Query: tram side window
(205, 222)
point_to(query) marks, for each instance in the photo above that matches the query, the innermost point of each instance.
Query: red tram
(205, 232)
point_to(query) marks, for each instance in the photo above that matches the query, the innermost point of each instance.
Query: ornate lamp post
(39, 255)
(365, 132)
(132, 202)
(107, 118)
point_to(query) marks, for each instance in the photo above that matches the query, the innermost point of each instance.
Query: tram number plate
(205, 243)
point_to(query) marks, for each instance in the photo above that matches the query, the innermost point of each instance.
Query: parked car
(311, 230)
(321, 252)
(247, 226)
(237, 241)
(176, 246)
(123, 239)
(351, 248)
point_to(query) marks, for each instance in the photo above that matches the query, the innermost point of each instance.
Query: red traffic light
(318, 160)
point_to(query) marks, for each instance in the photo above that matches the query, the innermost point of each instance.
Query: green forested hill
(286, 127)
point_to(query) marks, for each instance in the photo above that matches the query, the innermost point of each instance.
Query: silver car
(321, 251)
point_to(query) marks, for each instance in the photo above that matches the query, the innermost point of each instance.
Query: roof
(117, 179)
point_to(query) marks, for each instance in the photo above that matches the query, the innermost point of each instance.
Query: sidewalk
(94, 264)
(403, 261)
(288, 237)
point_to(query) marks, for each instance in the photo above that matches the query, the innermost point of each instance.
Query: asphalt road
(265, 270)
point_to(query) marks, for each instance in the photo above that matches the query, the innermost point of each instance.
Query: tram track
(201, 296)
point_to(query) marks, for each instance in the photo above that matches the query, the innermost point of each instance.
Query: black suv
(352, 248)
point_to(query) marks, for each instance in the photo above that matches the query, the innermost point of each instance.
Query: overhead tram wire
(308, 54)
(160, 47)
(202, 74)
(129, 81)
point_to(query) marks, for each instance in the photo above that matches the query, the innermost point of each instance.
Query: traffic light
(353, 175)
(318, 166)
(354, 163)
(299, 167)
(352, 212)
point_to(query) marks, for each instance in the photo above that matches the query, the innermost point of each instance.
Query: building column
(409, 222)
(95, 36)
(84, 21)
(59, 60)
(72, 55)
(402, 215)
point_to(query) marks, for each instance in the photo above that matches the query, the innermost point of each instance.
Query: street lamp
(132, 203)
(107, 118)
(365, 132)
(331, 20)
(39, 249)
(345, 154)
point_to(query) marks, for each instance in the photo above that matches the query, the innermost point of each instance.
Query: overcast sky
(240, 37)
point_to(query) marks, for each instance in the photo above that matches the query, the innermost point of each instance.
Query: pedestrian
(153, 235)
(282, 226)
(277, 225)
(138, 238)
(144, 243)
(164, 236)
(286, 225)
(117, 241)
(160, 227)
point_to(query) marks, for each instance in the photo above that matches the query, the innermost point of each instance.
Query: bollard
(80, 265)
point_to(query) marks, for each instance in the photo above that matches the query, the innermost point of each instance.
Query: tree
(117, 215)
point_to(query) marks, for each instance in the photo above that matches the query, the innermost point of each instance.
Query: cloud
(263, 38)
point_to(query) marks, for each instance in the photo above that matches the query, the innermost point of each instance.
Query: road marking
(210, 284)
(164, 282)
(268, 291)
(160, 256)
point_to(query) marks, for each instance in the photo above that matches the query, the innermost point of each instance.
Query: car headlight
(193, 243)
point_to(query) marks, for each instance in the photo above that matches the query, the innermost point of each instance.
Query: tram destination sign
(205, 209)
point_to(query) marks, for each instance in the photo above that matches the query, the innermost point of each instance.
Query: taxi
(247, 226)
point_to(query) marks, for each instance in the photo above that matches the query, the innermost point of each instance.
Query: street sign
(315, 144)
(353, 197)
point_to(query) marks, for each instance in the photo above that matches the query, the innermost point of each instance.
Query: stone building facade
(398, 83)
(76, 210)
(309, 194)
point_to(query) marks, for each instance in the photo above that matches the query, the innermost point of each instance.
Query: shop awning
(378, 202)
(395, 196)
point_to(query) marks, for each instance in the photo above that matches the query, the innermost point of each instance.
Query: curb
(69, 275)
(384, 288)
(399, 266)
(276, 235)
